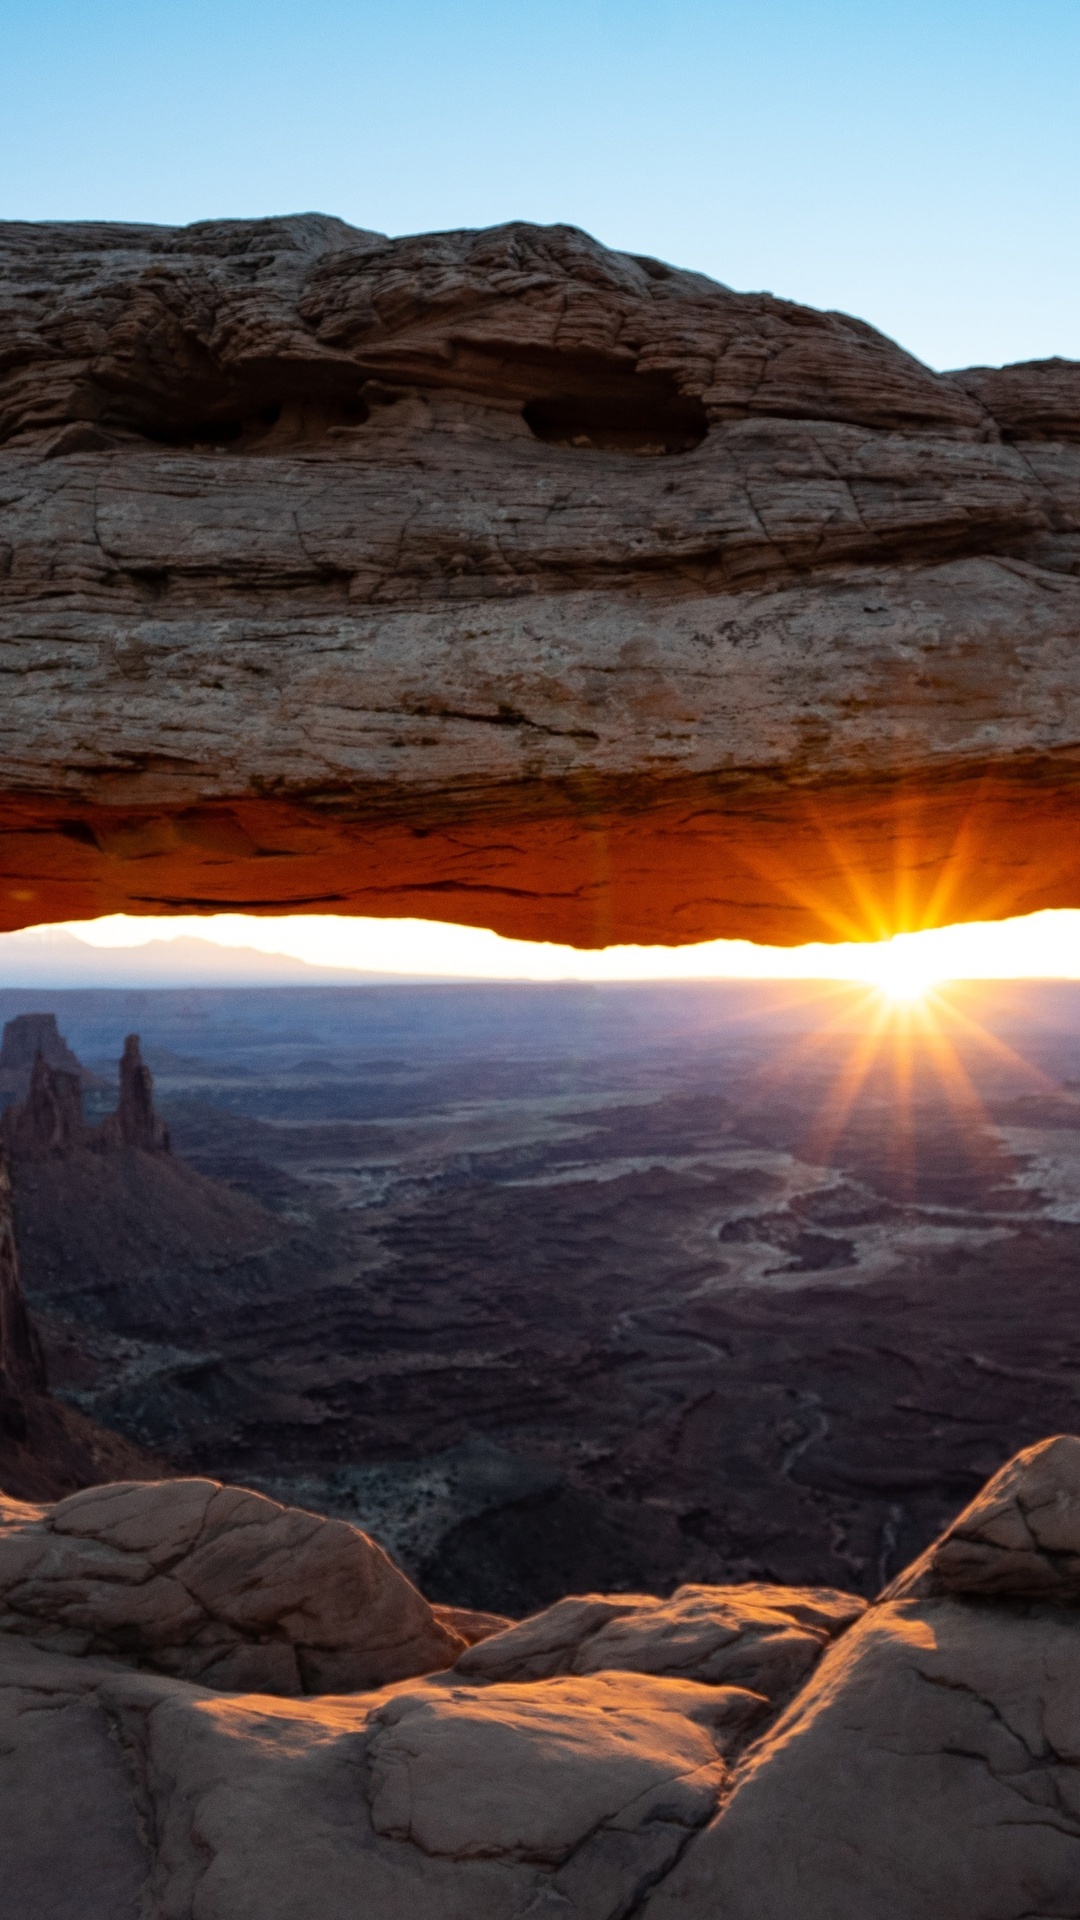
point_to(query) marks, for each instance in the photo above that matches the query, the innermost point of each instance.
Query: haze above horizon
(912, 165)
(245, 949)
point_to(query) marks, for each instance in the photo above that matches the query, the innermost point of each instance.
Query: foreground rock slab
(423, 1803)
(1021, 1536)
(930, 1769)
(926, 1767)
(216, 1584)
(766, 1638)
(504, 578)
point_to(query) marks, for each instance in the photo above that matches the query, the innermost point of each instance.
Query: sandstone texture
(927, 1766)
(216, 1584)
(503, 578)
(1020, 1537)
(567, 1798)
(761, 1637)
(931, 1768)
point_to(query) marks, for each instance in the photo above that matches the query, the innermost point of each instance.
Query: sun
(905, 989)
(900, 975)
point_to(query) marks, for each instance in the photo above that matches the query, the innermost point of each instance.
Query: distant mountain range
(55, 958)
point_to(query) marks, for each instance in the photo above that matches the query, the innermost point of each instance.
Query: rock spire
(135, 1123)
(49, 1120)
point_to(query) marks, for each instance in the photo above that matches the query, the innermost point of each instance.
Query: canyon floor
(556, 1287)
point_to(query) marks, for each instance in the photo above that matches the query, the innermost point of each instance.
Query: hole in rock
(643, 417)
(197, 433)
(254, 427)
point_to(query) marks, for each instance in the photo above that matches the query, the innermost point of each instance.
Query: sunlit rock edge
(748, 1751)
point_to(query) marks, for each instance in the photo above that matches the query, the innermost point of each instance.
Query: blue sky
(915, 164)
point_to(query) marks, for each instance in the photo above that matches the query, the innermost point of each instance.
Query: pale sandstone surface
(505, 578)
(216, 1584)
(1021, 1536)
(931, 1764)
(423, 1803)
(928, 1767)
(471, 1624)
(762, 1637)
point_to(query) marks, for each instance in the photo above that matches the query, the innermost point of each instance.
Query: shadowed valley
(556, 1288)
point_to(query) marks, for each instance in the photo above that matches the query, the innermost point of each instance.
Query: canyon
(559, 1288)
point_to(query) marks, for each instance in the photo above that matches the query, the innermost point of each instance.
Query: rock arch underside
(501, 578)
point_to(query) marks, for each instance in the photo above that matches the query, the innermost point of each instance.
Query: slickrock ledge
(214, 1584)
(502, 578)
(735, 1753)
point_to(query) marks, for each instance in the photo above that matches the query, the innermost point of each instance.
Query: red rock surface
(502, 578)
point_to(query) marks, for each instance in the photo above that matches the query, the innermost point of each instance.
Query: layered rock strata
(502, 578)
(926, 1765)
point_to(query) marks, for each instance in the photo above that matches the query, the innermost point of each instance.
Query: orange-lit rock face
(499, 578)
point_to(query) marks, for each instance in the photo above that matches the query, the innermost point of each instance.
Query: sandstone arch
(347, 574)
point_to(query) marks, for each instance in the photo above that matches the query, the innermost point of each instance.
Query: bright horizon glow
(1037, 946)
(904, 974)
